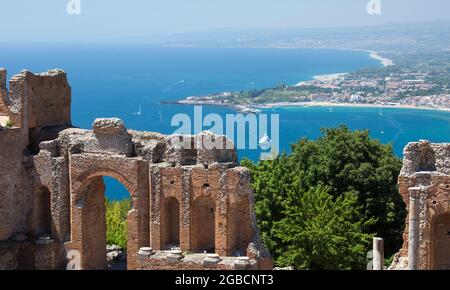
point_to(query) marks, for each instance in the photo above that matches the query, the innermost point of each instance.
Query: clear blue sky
(48, 20)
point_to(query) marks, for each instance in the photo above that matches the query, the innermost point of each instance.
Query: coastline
(253, 108)
(330, 104)
(374, 55)
(385, 62)
(322, 78)
(377, 56)
(258, 109)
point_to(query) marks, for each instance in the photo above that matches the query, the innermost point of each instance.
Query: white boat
(265, 142)
(140, 111)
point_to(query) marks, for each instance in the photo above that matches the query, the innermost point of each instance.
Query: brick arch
(88, 216)
(108, 172)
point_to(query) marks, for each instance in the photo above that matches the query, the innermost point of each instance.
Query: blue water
(114, 80)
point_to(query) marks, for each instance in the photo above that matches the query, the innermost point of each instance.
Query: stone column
(413, 235)
(378, 254)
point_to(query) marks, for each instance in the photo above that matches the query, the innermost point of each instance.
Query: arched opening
(105, 211)
(43, 213)
(440, 237)
(170, 224)
(118, 205)
(204, 225)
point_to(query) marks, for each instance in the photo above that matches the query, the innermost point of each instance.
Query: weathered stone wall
(51, 172)
(200, 226)
(424, 184)
(36, 101)
(184, 194)
(49, 97)
(24, 254)
(14, 189)
(32, 101)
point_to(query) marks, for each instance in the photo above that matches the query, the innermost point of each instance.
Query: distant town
(392, 86)
(415, 74)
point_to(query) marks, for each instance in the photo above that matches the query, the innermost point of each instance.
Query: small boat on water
(265, 142)
(139, 112)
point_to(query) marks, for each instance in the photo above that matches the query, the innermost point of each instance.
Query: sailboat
(140, 111)
(380, 112)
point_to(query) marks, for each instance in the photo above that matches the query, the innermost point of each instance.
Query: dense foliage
(116, 222)
(318, 207)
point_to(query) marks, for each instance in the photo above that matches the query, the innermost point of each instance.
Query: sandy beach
(331, 77)
(329, 104)
(323, 78)
(375, 55)
(384, 61)
(247, 108)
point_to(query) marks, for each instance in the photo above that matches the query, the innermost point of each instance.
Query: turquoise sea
(115, 80)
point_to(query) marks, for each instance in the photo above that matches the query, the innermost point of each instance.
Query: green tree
(343, 162)
(321, 233)
(116, 222)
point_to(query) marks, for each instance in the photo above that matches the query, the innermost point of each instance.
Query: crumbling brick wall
(189, 197)
(22, 188)
(14, 189)
(424, 184)
(49, 96)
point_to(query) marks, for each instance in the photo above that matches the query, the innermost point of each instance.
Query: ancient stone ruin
(425, 187)
(192, 207)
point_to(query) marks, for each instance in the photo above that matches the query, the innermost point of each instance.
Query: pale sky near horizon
(48, 20)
